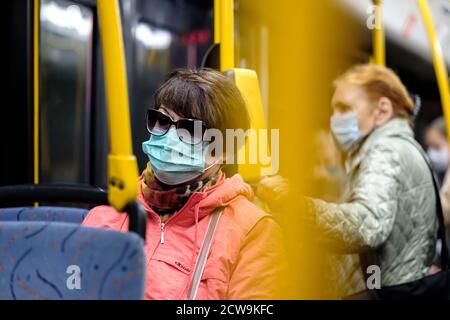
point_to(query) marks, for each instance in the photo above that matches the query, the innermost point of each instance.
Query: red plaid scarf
(166, 199)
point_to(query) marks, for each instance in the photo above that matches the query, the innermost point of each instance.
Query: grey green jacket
(388, 213)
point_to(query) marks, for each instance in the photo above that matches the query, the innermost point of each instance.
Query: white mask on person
(439, 158)
(345, 130)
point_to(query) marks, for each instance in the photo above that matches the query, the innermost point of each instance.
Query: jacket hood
(221, 194)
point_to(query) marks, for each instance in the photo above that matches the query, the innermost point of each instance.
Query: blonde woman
(387, 216)
(386, 220)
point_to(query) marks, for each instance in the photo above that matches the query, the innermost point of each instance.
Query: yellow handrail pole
(224, 32)
(378, 37)
(36, 94)
(122, 165)
(438, 61)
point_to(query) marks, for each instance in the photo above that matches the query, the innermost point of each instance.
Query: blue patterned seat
(61, 214)
(47, 260)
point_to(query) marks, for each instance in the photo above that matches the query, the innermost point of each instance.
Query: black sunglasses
(189, 130)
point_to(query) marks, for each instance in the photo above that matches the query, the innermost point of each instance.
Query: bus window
(153, 56)
(66, 40)
(167, 35)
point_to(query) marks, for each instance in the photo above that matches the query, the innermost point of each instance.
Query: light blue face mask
(345, 130)
(174, 161)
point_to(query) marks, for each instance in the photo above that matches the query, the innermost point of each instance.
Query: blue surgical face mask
(174, 161)
(345, 129)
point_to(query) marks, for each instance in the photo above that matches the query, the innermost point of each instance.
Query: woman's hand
(434, 269)
(273, 190)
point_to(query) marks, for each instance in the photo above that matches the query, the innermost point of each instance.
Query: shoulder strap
(203, 255)
(441, 230)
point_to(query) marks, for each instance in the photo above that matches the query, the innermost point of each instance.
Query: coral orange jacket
(246, 259)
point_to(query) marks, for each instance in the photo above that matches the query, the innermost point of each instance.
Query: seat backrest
(47, 260)
(60, 214)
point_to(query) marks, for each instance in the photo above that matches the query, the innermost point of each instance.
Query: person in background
(436, 142)
(327, 174)
(387, 216)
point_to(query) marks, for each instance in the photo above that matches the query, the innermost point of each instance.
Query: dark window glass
(167, 35)
(66, 34)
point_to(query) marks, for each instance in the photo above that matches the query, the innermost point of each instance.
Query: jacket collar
(221, 194)
(394, 127)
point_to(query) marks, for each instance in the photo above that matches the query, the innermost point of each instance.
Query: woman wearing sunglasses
(205, 238)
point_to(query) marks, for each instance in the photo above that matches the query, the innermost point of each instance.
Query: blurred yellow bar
(379, 42)
(438, 60)
(122, 165)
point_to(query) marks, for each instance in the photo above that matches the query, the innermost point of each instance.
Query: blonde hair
(379, 81)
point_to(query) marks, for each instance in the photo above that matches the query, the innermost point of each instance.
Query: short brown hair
(379, 81)
(204, 94)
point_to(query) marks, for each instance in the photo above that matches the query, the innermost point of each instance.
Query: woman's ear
(384, 111)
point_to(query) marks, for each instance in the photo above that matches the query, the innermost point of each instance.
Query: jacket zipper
(162, 233)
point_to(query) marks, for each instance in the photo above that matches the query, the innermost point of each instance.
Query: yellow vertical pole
(217, 27)
(115, 74)
(224, 32)
(438, 61)
(379, 42)
(36, 32)
(122, 165)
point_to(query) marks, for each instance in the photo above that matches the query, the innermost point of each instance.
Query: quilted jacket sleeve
(366, 219)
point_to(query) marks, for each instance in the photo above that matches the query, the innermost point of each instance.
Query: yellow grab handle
(378, 37)
(224, 32)
(122, 165)
(438, 61)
